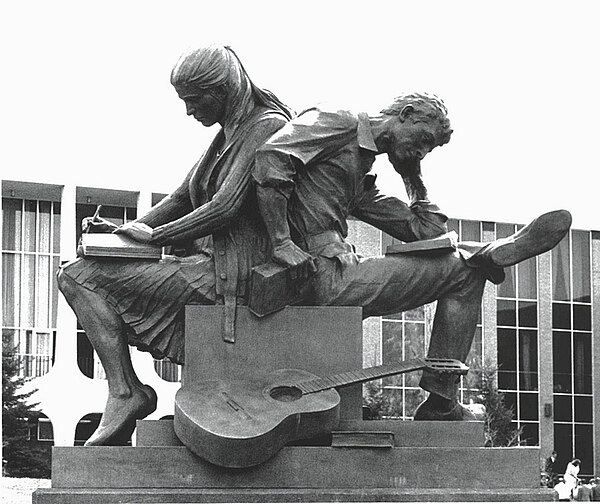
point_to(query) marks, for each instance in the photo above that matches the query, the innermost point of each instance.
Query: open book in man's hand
(446, 241)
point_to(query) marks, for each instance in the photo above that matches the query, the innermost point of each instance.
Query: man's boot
(539, 236)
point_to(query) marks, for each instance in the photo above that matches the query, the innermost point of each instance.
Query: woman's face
(206, 107)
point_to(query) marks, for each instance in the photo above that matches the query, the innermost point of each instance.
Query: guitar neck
(360, 376)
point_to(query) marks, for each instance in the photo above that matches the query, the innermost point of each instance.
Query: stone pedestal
(419, 461)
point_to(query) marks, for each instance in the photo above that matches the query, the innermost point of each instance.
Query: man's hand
(136, 231)
(301, 264)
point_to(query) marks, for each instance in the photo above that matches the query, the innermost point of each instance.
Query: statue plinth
(427, 461)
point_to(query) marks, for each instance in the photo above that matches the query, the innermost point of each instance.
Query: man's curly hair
(426, 105)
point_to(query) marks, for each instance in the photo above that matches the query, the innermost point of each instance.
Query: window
(30, 259)
(517, 320)
(572, 350)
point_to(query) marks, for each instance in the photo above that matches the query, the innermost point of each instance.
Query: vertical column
(545, 355)
(66, 323)
(596, 346)
(489, 316)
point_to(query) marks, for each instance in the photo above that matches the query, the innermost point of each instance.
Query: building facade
(539, 329)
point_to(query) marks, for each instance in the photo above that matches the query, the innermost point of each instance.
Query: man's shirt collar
(364, 134)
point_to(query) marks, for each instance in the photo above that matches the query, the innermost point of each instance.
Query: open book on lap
(116, 246)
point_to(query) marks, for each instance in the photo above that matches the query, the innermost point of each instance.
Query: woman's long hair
(217, 68)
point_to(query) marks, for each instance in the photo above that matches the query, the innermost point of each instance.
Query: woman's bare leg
(128, 399)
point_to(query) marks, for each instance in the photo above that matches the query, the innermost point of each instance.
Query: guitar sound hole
(285, 394)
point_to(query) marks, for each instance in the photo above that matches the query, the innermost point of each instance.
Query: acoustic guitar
(242, 423)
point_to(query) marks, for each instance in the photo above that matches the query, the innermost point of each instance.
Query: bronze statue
(314, 173)
(213, 215)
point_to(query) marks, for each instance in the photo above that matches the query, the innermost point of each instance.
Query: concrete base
(296, 474)
(406, 434)
(101, 496)
(427, 461)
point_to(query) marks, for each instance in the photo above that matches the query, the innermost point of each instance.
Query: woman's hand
(136, 231)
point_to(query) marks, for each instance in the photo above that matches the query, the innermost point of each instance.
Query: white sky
(86, 93)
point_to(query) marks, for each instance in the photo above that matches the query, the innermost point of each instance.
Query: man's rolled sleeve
(419, 221)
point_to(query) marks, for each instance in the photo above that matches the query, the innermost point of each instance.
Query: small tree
(498, 427)
(376, 405)
(21, 457)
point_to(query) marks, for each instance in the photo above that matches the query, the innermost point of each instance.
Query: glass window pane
(28, 290)
(528, 278)
(414, 346)
(44, 226)
(507, 313)
(528, 407)
(504, 230)
(475, 354)
(563, 408)
(11, 223)
(43, 292)
(561, 316)
(530, 434)
(29, 236)
(11, 288)
(582, 317)
(507, 288)
(56, 226)
(560, 271)
(584, 442)
(413, 397)
(581, 266)
(510, 401)
(583, 409)
(507, 359)
(563, 444)
(471, 231)
(396, 401)
(582, 363)
(130, 214)
(528, 314)
(392, 349)
(561, 361)
(453, 226)
(416, 314)
(528, 377)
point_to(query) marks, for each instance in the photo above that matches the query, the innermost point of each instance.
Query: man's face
(411, 138)
(206, 108)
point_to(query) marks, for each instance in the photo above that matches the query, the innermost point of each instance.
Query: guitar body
(242, 423)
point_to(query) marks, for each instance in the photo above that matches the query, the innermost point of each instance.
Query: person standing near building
(571, 472)
(212, 214)
(550, 470)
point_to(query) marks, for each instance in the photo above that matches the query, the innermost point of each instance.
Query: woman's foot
(120, 416)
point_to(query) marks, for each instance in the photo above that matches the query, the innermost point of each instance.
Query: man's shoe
(539, 236)
(428, 410)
